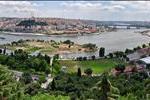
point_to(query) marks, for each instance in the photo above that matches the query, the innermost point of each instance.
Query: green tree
(144, 46)
(10, 89)
(68, 42)
(102, 52)
(88, 71)
(43, 66)
(32, 88)
(53, 85)
(79, 72)
(110, 55)
(128, 51)
(26, 78)
(4, 51)
(56, 57)
(93, 57)
(1, 51)
(147, 87)
(107, 91)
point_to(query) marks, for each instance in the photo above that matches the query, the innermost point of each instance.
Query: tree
(53, 85)
(93, 57)
(10, 89)
(119, 54)
(128, 51)
(1, 51)
(19, 51)
(144, 46)
(105, 88)
(79, 58)
(110, 55)
(127, 59)
(4, 51)
(26, 78)
(20, 55)
(84, 58)
(47, 58)
(102, 52)
(124, 56)
(79, 72)
(43, 66)
(68, 42)
(88, 71)
(32, 88)
(107, 91)
(56, 57)
(137, 48)
(147, 86)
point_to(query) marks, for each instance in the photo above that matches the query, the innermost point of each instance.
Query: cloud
(96, 10)
(18, 7)
(110, 10)
(109, 5)
(81, 4)
(136, 5)
(87, 5)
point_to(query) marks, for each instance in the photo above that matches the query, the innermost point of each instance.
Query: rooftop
(146, 60)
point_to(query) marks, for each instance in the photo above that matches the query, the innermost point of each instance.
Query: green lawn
(98, 66)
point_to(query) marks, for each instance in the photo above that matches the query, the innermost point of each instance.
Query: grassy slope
(98, 66)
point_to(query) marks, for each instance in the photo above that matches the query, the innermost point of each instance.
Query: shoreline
(145, 33)
(42, 34)
(52, 34)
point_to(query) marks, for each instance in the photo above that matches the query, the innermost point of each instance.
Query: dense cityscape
(63, 26)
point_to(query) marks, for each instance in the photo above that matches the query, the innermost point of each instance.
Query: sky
(92, 10)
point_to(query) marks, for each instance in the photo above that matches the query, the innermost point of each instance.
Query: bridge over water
(127, 26)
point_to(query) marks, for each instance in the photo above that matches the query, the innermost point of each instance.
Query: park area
(98, 66)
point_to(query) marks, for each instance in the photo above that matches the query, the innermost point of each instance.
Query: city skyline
(91, 10)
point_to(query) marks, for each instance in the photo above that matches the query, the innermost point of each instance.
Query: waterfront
(112, 41)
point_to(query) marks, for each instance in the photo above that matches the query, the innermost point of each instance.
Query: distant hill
(31, 23)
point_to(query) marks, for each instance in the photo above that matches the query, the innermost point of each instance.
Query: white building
(145, 62)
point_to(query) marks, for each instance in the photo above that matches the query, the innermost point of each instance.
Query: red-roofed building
(128, 70)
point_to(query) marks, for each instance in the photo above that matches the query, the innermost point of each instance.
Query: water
(112, 41)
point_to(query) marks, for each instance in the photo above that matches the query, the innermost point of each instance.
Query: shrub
(88, 71)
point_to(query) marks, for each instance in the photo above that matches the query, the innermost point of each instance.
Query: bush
(93, 57)
(120, 67)
(26, 78)
(42, 79)
(89, 45)
(110, 55)
(68, 42)
(88, 71)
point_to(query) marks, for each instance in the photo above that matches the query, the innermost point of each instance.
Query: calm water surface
(112, 41)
